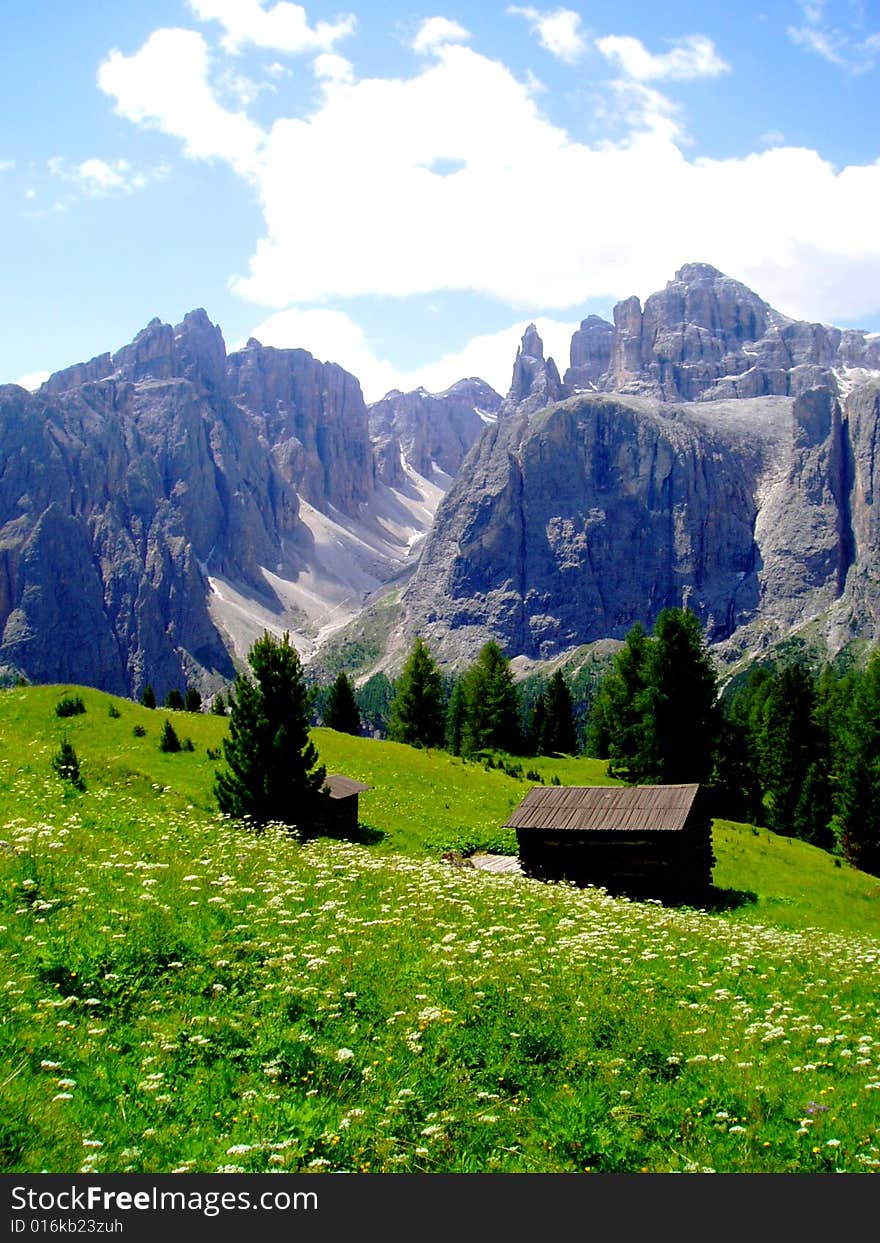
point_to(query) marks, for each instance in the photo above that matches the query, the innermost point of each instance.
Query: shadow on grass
(726, 899)
(362, 835)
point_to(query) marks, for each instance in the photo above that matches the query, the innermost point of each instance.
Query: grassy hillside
(176, 993)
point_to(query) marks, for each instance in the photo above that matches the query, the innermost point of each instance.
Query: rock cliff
(129, 480)
(161, 505)
(714, 453)
(707, 336)
(429, 432)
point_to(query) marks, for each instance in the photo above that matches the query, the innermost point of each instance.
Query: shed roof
(343, 787)
(604, 808)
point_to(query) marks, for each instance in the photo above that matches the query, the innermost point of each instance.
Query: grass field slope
(177, 993)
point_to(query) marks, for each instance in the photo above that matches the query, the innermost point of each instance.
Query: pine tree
(65, 762)
(615, 725)
(168, 740)
(148, 698)
(417, 715)
(193, 700)
(681, 717)
(272, 771)
(559, 732)
(537, 731)
(493, 704)
(657, 715)
(342, 712)
(859, 793)
(174, 700)
(789, 746)
(218, 705)
(456, 716)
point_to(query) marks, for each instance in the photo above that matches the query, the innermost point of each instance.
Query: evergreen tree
(174, 700)
(417, 715)
(65, 762)
(193, 700)
(456, 718)
(559, 731)
(742, 765)
(681, 717)
(218, 705)
(168, 740)
(789, 747)
(859, 792)
(342, 712)
(493, 704)
(615, 725)
(148, 698)
(537, 731)
(657, 716)
(272, 771)
(374, 701)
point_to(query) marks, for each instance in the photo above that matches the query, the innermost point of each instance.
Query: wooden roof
(343, 787)
(605, 808)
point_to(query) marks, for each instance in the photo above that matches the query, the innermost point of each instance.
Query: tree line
(787, 748)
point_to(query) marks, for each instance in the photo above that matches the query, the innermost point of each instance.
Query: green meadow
(180, 994)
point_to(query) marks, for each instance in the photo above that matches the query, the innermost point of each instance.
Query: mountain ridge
(161, 505)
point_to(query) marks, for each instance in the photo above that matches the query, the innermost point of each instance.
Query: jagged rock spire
(535, 382)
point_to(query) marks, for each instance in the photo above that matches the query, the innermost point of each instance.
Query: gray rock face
(313, 416)
(707, 337)
(126, 480)
(428, 430)
(717, 454)
(569, 525)
(535, 381)
(591, 350)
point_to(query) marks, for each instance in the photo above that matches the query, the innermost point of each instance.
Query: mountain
(707, 337)
(160, 506)
(703, 451)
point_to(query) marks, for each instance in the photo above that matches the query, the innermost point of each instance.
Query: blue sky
(401, 189)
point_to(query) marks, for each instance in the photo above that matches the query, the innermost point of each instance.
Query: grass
(179, 994)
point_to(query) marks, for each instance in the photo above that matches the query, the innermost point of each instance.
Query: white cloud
(33, 380)
(333, 336)
(333, 68)
(530, 216)
(435, 31)
(692, 57)
(96, 178)
(284, 26)
(165, 86)
(845, 44)
(6, 165)
(634, 106)
(559, 31)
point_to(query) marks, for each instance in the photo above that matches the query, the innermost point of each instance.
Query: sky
(401, 189)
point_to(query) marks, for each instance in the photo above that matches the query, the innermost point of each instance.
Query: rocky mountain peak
(428, 432)
(535, 382)
(591, 348)
(707, 336)
(690, 273)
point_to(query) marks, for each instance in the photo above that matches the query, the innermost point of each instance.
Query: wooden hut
(642, 841)
(340, 814)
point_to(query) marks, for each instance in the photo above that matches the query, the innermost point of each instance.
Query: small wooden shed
(642, 841)
(340, 815)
